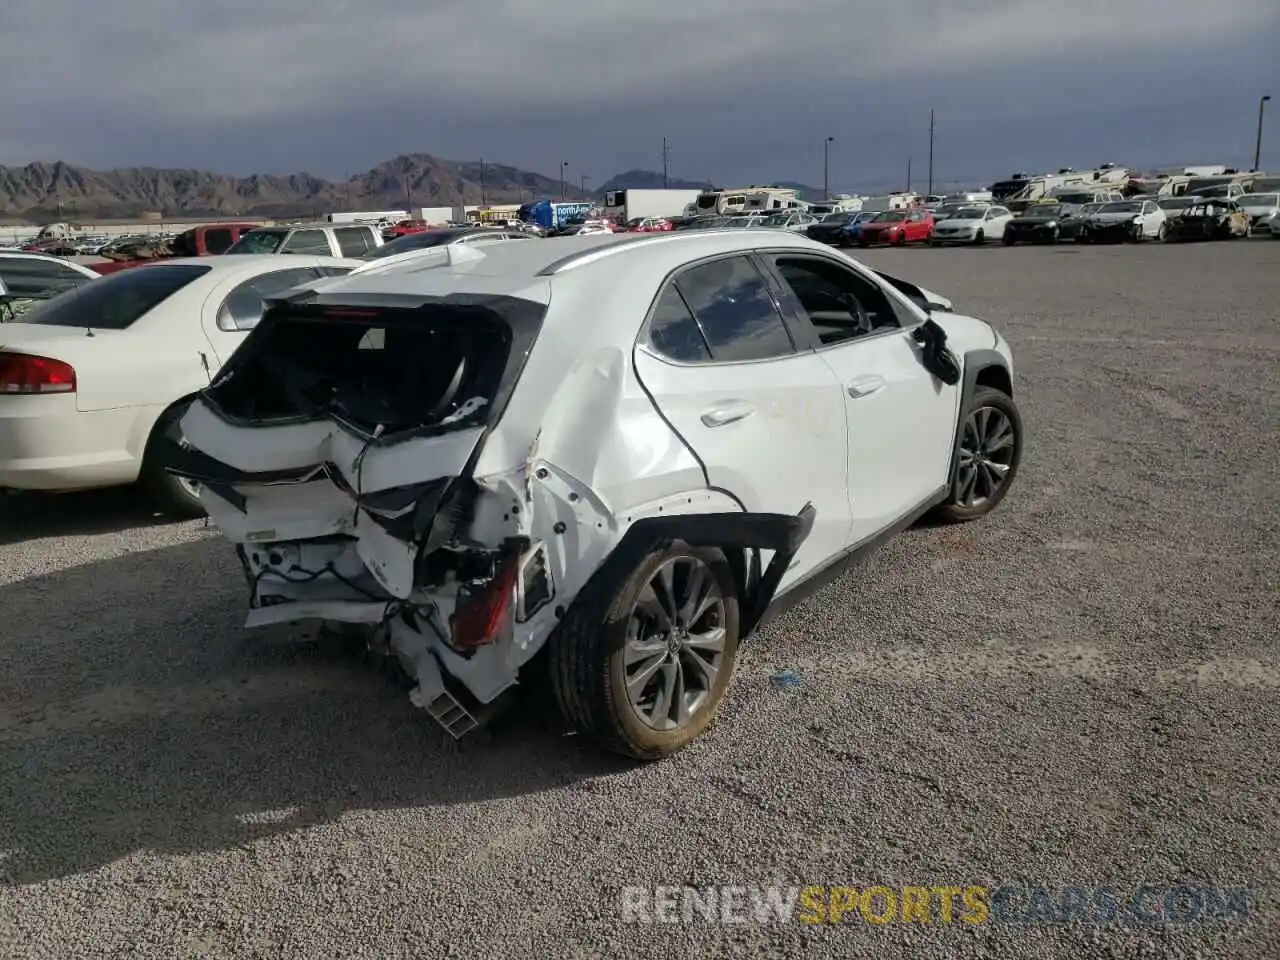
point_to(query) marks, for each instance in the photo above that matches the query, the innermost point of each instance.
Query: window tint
(242, 309)
(29, 278)
(353, 241)
(309, 242)
(117, 300)
(840, 304)
(259, 241)
(733, 306)
(673, 331)
(217, 239)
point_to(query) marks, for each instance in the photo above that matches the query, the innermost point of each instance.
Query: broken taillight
(479, 616)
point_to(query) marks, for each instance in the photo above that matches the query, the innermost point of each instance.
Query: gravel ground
(1080, 689)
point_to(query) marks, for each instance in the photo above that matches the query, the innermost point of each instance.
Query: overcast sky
(744, 90)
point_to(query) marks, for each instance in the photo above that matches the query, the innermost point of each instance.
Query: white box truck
(625, 205)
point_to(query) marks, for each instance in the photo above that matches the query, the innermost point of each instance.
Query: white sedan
(975, 224)
(89, 378)
(619, 454)
(26, 279)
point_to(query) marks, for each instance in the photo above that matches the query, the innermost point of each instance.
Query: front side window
(259, 241)
(242, 309)
(733, 306)
(310, 242)
(840, 304)
(116, 301)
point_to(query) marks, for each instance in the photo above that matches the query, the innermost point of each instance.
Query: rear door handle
(729, 411)
(865, 386)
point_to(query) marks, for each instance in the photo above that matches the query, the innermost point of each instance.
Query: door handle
(865, 386)
(728, 412)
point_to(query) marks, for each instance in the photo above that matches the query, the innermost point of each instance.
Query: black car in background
(1041, 223)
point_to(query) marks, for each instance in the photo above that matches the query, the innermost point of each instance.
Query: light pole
(908, 175)
(582, 183)
(482, 203)
(826, 167)
(1257, 149)
(665, 164)
(930, 192)
(564, 165)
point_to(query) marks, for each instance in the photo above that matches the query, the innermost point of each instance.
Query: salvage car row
(1131, 220)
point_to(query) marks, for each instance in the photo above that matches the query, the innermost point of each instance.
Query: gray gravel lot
(1080, 689)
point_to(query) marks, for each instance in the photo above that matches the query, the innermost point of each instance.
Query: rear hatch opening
(382, 373)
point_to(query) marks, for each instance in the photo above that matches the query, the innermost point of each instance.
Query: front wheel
(987, 456)
(1161, 233)
(1007, 240)
(900, 240)
(979, 238)
(642, 665)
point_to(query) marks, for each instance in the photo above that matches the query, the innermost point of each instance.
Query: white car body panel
(598, 433)
(125, 379)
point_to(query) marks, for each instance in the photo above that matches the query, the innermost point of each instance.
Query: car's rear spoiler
(926, 300)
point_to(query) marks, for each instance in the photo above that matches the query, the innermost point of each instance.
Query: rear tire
(174, 498)
(613, 635)
(987, 457)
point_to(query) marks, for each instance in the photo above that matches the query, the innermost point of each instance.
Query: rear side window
(674, 332)
(29, 278)
(242, 309)
(117, 300)
(218, 239)
(354, 241)
(735, 310)
(313, 242)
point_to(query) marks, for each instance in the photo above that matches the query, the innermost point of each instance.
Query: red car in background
(896, 227)
(404, 228)
(648, 225)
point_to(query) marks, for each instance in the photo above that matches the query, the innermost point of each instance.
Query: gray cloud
(745, 90)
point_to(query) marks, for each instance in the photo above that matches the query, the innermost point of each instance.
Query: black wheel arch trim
(732, 532)
(975, 362)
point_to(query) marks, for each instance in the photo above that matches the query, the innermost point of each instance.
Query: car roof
(314, 225)
(526, 268)
(248, 263)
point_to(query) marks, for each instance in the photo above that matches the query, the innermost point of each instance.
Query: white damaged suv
(623, 454)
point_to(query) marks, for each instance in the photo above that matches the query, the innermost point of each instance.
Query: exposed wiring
(359, 465)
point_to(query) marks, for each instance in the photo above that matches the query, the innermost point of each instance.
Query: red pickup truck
(203, 241)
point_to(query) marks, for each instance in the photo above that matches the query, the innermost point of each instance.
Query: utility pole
(666, 156)
(930, 193)
(564, 165)
(408, 198)
(908, 175)
(482, 203)
(1257, 149)
(826, 167)
(582, 183)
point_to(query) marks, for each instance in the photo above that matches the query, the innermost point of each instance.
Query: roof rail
(625, 242)
(445, 255)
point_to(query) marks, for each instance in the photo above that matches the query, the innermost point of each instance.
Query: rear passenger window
(733, 306)
(673, 332)
(312, 242)
(353, 241)
(217, 239)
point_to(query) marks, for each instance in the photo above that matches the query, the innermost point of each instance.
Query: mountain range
(40, 192)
